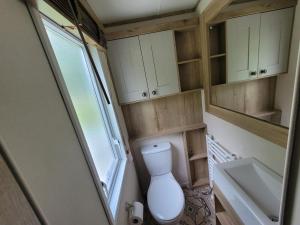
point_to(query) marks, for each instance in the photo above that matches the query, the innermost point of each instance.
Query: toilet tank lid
(155, 148)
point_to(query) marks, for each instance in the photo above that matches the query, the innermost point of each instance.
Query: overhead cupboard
(145, 66)
(258, 45)
(254, 46)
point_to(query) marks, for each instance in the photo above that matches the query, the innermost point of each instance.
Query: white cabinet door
(275, 35)
(242, 47)
(160, 61)
(128, 70)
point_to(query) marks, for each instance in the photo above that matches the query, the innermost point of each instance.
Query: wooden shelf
(201, 182)
(198, 156)
(218, 55)
(225, 219)
(266, 113)
(188, 61)
(172, 131)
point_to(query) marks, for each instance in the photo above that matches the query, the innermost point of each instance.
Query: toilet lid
(165, 197)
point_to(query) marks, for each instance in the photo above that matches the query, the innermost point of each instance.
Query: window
(96, 118)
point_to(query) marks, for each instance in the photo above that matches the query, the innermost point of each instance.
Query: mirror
(249, 60)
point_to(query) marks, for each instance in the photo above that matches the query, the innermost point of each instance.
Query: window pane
(76, 74)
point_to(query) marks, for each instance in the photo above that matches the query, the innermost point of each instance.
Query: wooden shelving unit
(196, 153)
(217, 41)
(178, 113)
(189, 58)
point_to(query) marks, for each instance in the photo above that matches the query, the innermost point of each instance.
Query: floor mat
(198, 210)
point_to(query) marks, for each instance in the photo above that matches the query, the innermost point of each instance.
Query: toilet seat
(165, 198)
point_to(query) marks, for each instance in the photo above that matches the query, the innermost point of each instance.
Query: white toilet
(165, 196)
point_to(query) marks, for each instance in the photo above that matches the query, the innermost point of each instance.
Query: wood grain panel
(187, 44)
(190, 76)
(14, 207)
(145, 28)
(252, 7)
(249, 97)
(148, 118)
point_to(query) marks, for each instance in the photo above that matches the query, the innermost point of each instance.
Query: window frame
(111, 203)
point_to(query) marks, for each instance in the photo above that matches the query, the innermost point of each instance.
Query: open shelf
(201, 182)
(189, 75)
(218, 71)
(217, 39)
(187, 44)
(188, 61)
(189, 58)
(198, 156)
(218, 55)
(196, 153)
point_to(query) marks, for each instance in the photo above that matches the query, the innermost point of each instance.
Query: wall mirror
(249, 77)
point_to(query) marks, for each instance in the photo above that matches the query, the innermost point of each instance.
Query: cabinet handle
(263, 71)
(144, 94)
(154, 92)
(252, 73)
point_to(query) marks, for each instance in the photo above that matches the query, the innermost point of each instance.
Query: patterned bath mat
(198, 208)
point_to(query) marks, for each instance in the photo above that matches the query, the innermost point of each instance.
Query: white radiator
(216, 154)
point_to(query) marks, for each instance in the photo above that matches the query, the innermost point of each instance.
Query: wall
(36, 131)
(292, 209)
(285, 82)
(130, 193)
(179, 160)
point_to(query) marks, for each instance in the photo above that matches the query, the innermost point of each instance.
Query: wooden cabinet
(128, 70)
(144, 67)
(242, 47)
(275, 36)
(159, 55)
(258, 45)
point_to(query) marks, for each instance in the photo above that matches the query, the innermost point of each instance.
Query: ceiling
(111, 11)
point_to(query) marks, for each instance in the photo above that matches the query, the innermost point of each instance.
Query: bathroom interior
(134, 112)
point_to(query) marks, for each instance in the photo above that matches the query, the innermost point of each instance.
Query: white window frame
(110, 198)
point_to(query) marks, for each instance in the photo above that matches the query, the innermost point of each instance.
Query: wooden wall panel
(14, 207)
(249, 97)
(147, 118)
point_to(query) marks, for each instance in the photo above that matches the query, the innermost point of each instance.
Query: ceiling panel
(110, 11)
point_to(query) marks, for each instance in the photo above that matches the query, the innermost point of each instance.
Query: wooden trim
(171, 131)
(214, 8)
(113, 24)
(274, 133)
(253, 7)
(270, 132)
(145, 28)
(226, 206)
